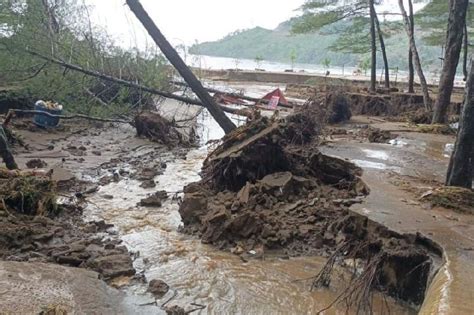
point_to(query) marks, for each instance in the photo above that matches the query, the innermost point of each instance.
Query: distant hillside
(278, 44)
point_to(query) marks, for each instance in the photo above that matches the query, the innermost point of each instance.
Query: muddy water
(199, 273)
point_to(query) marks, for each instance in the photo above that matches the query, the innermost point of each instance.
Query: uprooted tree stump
(158, 129)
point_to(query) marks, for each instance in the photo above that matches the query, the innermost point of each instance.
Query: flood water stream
(199, 273)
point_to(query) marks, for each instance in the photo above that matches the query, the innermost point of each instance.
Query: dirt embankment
(267, 187)
(395, 105)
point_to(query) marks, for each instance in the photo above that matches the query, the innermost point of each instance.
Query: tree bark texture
(460, 171)
(454, 41)
(465, 51)
(411, 68)
(416, 57)
(226, 124)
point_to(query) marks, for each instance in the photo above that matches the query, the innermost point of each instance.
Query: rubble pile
(261, 187)
(262, 191)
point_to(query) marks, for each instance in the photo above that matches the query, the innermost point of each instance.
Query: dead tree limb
(226, 124)
(5, 152)
(39, 112)
(105, 77)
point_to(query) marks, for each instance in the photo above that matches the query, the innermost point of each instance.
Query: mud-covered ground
(107, 169)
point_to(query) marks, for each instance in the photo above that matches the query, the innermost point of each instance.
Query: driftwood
(226, 124)
(105, 77)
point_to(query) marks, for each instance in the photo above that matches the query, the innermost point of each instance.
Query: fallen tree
(154, 91)
(224, 122)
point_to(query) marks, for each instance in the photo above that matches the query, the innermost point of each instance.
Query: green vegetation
(313, 48)
(62, 30)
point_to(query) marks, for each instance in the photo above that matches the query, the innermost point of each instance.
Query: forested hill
(279, 45)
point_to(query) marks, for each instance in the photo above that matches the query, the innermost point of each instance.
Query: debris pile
(262, 184)
(158, 129)
(262, 190)
(455, 198)
(332, 107)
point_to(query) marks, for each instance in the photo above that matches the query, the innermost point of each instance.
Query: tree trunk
(5, 152)
(226, 124)
(373, 42)
(384, 52)
(416, 57)
(460, 171)
(454, 40)
(411, 69)
(465, 52)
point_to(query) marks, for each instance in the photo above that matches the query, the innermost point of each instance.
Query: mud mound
(455, 198)
(331, 107)
(376, 135)
(257, 184)
(260, 191)
(158, 129)
(421, 116)
(437, 129)
(27, 194)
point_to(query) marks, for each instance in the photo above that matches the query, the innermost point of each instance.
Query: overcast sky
(185, 21)
(190, 20)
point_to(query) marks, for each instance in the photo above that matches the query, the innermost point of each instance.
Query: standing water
(198, 273)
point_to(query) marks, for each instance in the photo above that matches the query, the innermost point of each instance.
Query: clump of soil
(455, 198)
(156, 128)
(27, 194)
(376, 135)
(420, 116)
(36, 163)
(437, 129)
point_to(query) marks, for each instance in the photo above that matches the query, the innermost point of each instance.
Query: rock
(36, 163)
(147, 174)
(244, 194)
(154, 200)
(193, 206)
(113, 266)
(158, 288)
(175, 310)
(148, 184)
(98, 153)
